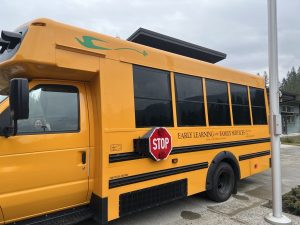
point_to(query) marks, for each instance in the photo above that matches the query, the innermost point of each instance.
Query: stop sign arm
(156, 144)
(141, 145)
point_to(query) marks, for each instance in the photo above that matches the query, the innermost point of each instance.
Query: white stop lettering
(160, 143)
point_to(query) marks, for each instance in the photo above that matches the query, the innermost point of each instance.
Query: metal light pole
(275, 119)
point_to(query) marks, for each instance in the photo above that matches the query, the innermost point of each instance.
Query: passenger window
(240, 104)
(217, 103)
(52, 108)
(258, 106)
(152, 97)
(189, 101)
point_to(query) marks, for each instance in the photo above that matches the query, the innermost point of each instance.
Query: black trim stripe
(254, 155)
(157, 174)
(196, 148)
(124, 157)
(186, 149)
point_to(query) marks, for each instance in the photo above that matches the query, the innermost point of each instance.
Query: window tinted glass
(217, 102)
(151, 83)
(52, 108)
(190, 114)
(152, 97)
(239, 94)
(259, 115)
(240, 104)
(188, 88)
(152, 113)
(257, 97)
(189, 100)
(241, 115)
(216, 91)
(218, 114)
(258, 106)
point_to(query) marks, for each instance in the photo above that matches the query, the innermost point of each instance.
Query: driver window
(52, 108)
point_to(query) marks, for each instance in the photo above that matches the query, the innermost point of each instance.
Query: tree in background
(292, 82)
(266, 78)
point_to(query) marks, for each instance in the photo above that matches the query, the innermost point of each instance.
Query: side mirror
(18, 100)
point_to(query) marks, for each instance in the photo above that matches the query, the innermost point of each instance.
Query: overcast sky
(235, 27)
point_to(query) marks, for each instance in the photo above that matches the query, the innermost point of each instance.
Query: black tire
(223, 181)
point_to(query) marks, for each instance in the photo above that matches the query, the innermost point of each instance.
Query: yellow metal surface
(230, 106)
(260, 164)
(250, 105)
(205, 102)
(44, 171)
(173, 99)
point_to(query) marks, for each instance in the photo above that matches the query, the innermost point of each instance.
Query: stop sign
(160, 143)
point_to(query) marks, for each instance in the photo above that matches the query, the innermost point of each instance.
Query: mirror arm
(18, 101)
(6, 123)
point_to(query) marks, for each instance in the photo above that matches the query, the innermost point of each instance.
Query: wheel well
(229, 158)
(234, 166)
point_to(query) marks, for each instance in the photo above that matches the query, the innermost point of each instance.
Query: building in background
(290, 112)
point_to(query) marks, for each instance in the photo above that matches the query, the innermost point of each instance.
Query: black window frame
(234, 105)
(179, 100)
(259, 107)
(57, 132)
(168, 100)
(227, 105)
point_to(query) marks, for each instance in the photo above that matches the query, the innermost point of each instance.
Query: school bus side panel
(118, 98)
(97, 168)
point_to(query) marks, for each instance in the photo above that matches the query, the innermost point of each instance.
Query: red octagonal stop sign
(160, 143)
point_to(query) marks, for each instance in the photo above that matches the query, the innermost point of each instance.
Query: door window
(52, 108)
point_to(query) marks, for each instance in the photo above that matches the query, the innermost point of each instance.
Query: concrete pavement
(244, 208)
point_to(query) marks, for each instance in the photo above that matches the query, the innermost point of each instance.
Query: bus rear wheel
(223, 181)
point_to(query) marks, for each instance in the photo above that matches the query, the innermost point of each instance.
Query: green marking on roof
(91, 42)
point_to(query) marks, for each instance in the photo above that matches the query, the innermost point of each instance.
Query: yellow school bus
(95, 126)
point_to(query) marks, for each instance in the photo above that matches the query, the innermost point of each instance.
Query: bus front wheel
(223, 181)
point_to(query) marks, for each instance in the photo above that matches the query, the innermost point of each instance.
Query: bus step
(67, 217)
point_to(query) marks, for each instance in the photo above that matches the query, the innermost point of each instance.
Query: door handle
(83, 157)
